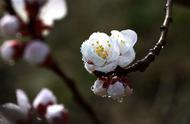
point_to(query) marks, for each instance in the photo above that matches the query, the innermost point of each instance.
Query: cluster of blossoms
(103, 53)
(44, 109)
(34, 19)
(34, 52)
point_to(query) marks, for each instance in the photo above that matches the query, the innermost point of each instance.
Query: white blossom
(53, 10)
(45, 97)
(36, 52)
(9, 24)
(100, 53)
(22, 101)
(104, 53)
(98, 88)
(126, 39)
(55, 112)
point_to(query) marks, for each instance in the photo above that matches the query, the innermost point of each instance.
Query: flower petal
(53, 10)
(126, 39)
(130, 36)
(22, 101)
(89, 67)
(89, 55)
(44, 97)
(98, 88)
(94, 58)
(19, 6)
(109, 46)
(12, 112)
(116, 90)
(107, 67)
(126, 58)
(56, 114)
(118, 37)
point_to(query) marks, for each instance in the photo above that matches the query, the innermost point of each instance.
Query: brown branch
(142, 64)
(76, 94)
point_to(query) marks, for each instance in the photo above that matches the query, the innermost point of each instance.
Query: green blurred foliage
(161, 94)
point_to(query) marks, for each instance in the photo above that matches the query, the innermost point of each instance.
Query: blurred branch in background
(34, 28)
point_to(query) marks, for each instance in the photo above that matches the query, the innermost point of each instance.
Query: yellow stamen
(101, 51)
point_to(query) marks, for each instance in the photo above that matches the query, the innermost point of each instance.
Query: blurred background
(161, 93)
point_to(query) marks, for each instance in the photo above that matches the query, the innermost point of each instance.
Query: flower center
(101, 51)
(123, 43)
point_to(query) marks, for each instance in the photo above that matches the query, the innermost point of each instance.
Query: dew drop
(162, 47)
(92, 88)
(120, 100)
(38, 118)
(104, 96)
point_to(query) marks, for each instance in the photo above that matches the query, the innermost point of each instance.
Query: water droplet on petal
(38, 118)
(104, 96)
(92, 88)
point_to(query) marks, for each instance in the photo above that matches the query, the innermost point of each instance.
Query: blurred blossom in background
(161, 94)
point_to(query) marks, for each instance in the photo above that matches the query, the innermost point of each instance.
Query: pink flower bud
(43, 100)
(11, 50)
(113, 87)
(98, 88)
(56, 114)
(119, 88)
(36, 52)
(9, 24)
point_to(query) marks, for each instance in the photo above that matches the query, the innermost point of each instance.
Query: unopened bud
(43, 100)
(98, 88)
(11, 50)
(36, 52)
(116, 90)
(56, 114)
(9, 24)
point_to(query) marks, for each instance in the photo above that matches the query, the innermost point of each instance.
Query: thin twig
(142, 64)
(76, 94)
